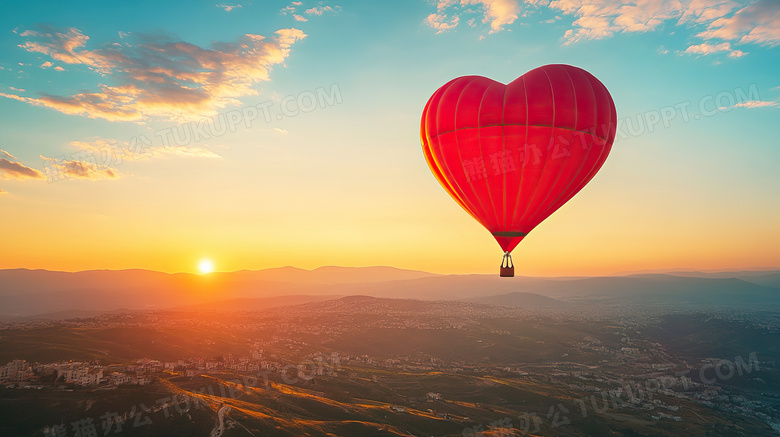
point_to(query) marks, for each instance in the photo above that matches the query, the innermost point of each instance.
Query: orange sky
(343, 181)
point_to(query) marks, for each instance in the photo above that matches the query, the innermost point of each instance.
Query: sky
(262, 134)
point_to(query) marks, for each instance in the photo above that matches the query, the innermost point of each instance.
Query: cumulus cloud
(157, 77)
(498, 13)
(16, 170)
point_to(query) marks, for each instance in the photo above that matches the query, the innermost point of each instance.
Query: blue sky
(344, 182)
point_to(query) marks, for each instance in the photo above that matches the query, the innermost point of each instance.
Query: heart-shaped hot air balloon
(513, 154)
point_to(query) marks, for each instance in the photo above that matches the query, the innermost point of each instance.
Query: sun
(205, 266)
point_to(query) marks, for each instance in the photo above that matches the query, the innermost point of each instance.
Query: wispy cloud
(319, 10)
(757, 104)
(440, 22)
(3, 192)
(16, 170)
(6, 154)
(229, 7)
(292, 8)
(157, 77)
(596, 19)
(109, 152)
(758, 23)
(186, 152)
(76, 169)
(708, 49)
(113, 152)
(722, 20)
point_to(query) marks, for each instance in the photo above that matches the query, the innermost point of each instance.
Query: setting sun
(205, 266)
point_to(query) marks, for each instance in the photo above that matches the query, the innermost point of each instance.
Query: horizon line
(619, 273)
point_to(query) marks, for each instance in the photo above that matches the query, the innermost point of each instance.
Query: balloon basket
(507, 267)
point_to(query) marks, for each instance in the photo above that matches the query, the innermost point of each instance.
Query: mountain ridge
(25, 292)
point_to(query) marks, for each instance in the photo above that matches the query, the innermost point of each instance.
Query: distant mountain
(28, 292)
(24, 293)
(767, 278)
(336, 275)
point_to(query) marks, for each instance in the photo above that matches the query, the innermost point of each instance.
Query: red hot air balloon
(513, 154)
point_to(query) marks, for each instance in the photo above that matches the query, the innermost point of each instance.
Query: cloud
(722, 20)
(75, 169)
(316, 10)
(186, 152)
(597, 19)
(109, 152)
(708, 49)
(3, 192)
(757, 104)
(16, 170)
(157, 77)
(280, 131)
(758, 23)
(6, 154)
(319, 10)
(497, 12)
(705, 11)
(228, 7)
(440, 23)
(46, 64)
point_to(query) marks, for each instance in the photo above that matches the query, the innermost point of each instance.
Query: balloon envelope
(513, 154)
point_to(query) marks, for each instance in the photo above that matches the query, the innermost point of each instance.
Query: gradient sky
(89, 91)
